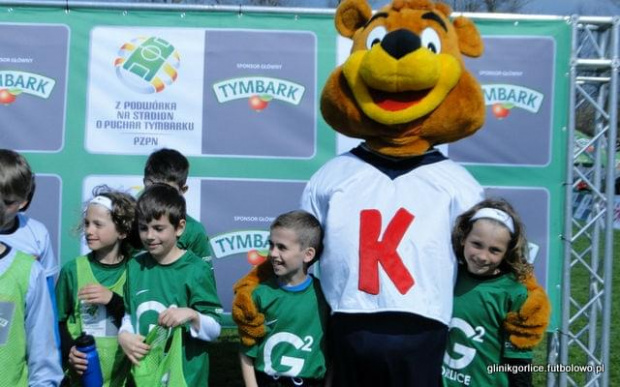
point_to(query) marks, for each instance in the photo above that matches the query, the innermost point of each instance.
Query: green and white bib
(13, 289)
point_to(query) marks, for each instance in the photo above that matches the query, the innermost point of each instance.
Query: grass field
(580, 291)
(225, 370)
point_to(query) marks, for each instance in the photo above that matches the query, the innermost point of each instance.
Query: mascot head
(404, 87)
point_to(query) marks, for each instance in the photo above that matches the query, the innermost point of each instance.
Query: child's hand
(134, 346)
(78, 360)
(95, 294)
(173, 317)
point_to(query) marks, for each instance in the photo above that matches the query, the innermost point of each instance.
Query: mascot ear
(470, 41)
(352, 15)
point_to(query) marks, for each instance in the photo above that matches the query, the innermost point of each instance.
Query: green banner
(86, 94)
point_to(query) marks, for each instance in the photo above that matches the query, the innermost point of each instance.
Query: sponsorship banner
(86, 95)
(34, 61)
(519, 104)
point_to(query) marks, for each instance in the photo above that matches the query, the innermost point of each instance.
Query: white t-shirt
(408, 266)
(31, 237)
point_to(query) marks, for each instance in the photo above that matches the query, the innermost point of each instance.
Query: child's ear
(309, 254)
(23, 204)
(180, 228)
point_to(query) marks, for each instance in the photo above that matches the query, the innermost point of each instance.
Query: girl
(490, 246)
(90, 288)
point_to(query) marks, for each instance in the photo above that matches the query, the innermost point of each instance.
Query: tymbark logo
(14, 83)
(259, 91)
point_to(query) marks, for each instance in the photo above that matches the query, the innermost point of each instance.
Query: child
(28, 350)
(170, 167)
(166, 286)
(293, 351)
(21, 232)
(16, 229)
(90, 288)
(490, 245)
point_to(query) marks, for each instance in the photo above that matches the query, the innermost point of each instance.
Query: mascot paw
(527, 327)
(250, 322)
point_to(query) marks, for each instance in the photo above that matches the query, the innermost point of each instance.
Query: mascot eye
(431, 40)
(375, 36)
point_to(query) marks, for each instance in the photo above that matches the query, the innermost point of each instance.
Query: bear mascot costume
(388, 206)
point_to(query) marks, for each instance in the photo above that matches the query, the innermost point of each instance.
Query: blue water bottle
(92, 377)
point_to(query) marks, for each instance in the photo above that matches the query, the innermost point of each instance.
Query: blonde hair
(515, 260)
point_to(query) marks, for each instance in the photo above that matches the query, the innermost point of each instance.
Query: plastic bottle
(92, 377)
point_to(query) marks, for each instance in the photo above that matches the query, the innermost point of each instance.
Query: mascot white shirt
(387, 229)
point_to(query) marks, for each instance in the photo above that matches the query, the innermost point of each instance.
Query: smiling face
(100, 231)
(287, 256)
(159, 238)
(416, 73)
(485, 247)
(404, 86)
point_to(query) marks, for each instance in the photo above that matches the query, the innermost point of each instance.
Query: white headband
(102, 201)
(494, 213)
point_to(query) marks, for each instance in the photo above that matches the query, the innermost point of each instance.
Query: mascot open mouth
(397, 101)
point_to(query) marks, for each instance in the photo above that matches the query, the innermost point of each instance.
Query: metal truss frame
(584, 336)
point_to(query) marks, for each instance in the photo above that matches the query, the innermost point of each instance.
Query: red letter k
(373, 251)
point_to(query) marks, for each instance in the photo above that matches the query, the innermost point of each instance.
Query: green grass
(225, 370)
(580, 282)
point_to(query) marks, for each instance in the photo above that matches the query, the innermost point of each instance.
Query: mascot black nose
(401, 42)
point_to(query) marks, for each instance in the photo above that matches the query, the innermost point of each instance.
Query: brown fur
(527, 327)
(249, 321)
(455, 114)
(459, 115)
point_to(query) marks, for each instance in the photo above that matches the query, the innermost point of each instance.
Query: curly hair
(123, 214)
(516, 258)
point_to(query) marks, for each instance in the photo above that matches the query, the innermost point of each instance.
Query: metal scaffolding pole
(586, 318)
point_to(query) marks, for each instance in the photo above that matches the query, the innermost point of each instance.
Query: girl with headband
(90, 288)
(490, 245)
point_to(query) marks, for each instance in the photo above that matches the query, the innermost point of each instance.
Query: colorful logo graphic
(256, 257)
(259, 91)
(504, 97)
(253, 242)
(258, 103)
(7, 97)
(14, 83)
(501, 110)
(147, 64)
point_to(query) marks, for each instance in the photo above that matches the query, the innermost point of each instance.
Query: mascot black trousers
(390, 349)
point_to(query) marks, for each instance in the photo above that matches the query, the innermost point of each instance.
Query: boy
(292, 353)
(166, 286)
(170, 167)
(21, 232)
(28, 349)
(16, 229)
